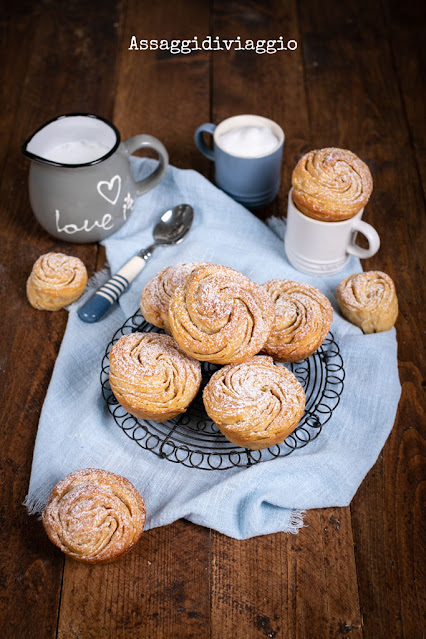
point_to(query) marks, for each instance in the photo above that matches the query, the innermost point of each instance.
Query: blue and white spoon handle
(96, 307)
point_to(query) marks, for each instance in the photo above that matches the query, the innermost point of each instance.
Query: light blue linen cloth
(77, 431)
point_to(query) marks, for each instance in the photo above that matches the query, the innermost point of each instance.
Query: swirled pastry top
(369, 301)
(255, 404)
(219, 315)
(152, 377)
(55, 281)
(94, 516)
(303, 320)
(158, 291)
(331, 184)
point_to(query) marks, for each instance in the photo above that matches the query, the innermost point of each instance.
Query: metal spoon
(171, 228)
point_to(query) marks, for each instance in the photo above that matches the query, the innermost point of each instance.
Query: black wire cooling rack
(192, 439)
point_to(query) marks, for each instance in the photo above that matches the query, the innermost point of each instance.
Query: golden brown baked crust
(255, 404)
(56, 280)
(369, 301)
(152, 377)
(158, 291)
(94, 516)
(303, 320)
(331, 184)
(219, 315)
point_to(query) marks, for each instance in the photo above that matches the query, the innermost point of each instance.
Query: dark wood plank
(248, 588)
(16, 35)
(286, 586)
(161, 589)
(278, 586)
(354, 102)
(47, 61)
(158, 590)
(271, 85)
(388, 524)
(355, 81)
(160, 93)
(406, 24)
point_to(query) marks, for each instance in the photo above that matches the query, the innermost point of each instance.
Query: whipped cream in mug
(247, 151)
(248, 141)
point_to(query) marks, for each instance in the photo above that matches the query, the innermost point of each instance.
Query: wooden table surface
(353, 82)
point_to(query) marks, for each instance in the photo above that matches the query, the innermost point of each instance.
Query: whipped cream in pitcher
(77, 152)
(80, 183)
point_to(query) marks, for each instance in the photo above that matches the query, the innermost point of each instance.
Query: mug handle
(207, 127)
(144, 141)
(372, 237)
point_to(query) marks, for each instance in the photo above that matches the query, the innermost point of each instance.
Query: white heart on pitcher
(104, 184)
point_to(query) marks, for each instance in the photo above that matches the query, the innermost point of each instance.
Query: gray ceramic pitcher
(80, 182)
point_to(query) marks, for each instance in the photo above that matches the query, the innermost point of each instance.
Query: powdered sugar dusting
(158, 291)
(55, 281)
(369, 300)
(303, 320)
(331, 184)
(94, 516)
(219, 315)
(56, 270)
(151, 376)
(256, 403)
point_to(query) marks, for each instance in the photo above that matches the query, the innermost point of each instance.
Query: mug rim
(33, 156)
(321, 222)
(275, 126)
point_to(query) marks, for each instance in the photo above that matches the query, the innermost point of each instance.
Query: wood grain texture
(49, 71)
(406, 28)
(16, 36)
(161, 589)
(271, 85)
(161, 93)
(348, 56)
(354, 81)
(288, 586)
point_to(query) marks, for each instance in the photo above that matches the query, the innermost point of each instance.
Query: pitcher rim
(37, 158)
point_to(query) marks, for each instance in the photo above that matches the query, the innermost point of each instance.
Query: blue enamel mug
(253, 181)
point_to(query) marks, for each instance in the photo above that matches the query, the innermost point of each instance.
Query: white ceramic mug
(324, 248)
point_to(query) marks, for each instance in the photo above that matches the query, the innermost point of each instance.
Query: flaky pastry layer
(303, 320)
(158, 292)
(219, 315)
(255, 404)
(94, 516)
(56, 280)
(331, 184)
(369, 301)
(152, 377)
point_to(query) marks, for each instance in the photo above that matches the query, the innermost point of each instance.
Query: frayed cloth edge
(296, 521)
(34, 505)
